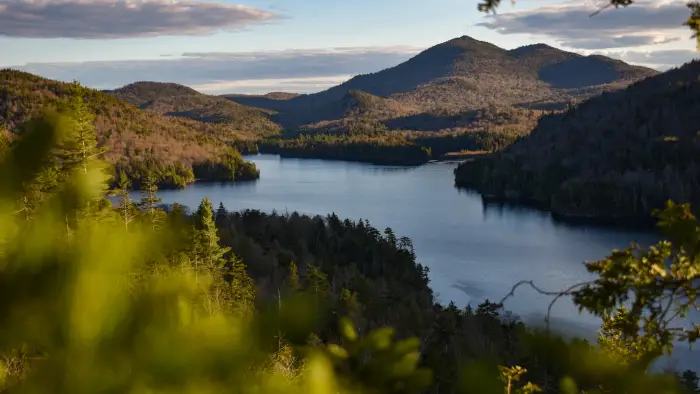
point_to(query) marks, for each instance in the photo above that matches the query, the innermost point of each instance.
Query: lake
(473, 252)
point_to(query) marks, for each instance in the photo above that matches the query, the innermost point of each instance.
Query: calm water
(474, 253)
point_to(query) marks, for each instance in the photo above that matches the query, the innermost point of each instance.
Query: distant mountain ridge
(467, 74)
(177, 100)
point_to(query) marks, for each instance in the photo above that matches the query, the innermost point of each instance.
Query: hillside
(466, 74)
(621, 154)
(133, 137)
(176, 100)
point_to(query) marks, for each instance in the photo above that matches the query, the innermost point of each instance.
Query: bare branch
(557, 295)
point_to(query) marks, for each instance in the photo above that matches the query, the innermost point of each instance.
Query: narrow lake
(474, 253)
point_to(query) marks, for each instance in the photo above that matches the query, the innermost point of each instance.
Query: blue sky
(306, 45)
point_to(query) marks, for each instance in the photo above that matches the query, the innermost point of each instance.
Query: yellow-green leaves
(347, 329)
(375, 363)
(568, 386)
(658, 282)
(510, 375)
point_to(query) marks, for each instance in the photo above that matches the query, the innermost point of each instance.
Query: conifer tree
(149, 201)
(80, 151)
(206, 240)
(221, 213)
(242, 287)
(80, 148)
(127, 208)
(317, 282)
(293, 277)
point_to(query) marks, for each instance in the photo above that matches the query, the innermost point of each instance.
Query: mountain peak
(526, 49)
(159, 87)
(467, 42)
(459, 74)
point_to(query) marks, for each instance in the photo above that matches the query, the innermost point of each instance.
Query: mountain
(620, 154)
(466, 74)
(135, 138)
(177, 100)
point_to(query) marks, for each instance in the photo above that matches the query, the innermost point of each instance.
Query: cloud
(261, 86)
(235, 72)
(106, 19)
(660, 60)
(571, 24)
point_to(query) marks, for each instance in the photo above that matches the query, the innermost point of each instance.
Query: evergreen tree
(79, 151)
(36, 190)
(390, 236)
(317, 282)
(293, 277)
(127, 209)
(80, 148)
(351, 307)
(206, 240)
(242, 287)
(207, 258)
(221, 214)
(149, 201)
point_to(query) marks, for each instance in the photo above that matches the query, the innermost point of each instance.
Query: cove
(474, 252)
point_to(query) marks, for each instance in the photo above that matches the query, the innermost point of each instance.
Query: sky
(258, 46)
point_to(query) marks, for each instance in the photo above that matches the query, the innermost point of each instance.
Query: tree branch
(557, 295)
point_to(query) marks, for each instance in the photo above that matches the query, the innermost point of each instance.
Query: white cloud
(101, 19)
(261, 86)
(660, 60)
(572, 25)
(234, 69)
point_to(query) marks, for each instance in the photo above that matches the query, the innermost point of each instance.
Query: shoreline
(632, 223)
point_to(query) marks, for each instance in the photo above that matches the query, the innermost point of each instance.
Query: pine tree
(80, 151)
(293, 277)
(350, 307)
(127, 209)
(39, 188)
(242, 287)
(149, 201)
(221, 214)
(317, 282)
(80, 148)
(206, 240)
(208, 258)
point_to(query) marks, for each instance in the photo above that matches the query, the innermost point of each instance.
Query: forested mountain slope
(141, 142)
(620, 154)
(178, 100)
(466, 74)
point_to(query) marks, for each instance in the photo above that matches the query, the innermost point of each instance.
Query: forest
(619, 156)
(385, 147)
(174, 151)
(393, 150)
(140, 297)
